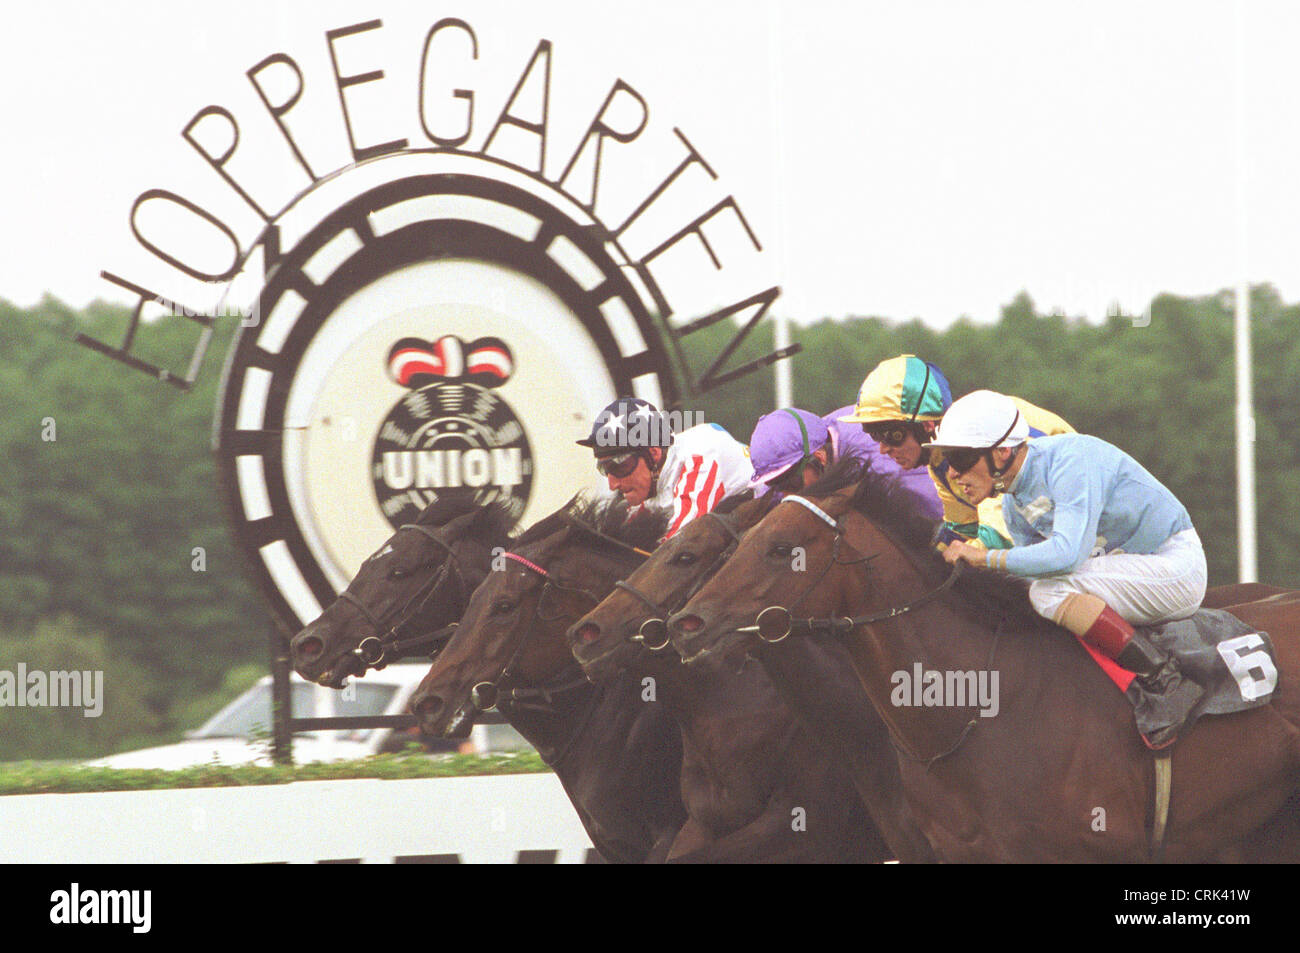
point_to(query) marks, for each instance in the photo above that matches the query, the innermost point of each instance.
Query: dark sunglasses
(891, 435)
(618, 467)
(961, 459)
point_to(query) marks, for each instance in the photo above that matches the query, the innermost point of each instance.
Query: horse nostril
(690, 623)
(309, 648)
(588, 633)
(427, 707)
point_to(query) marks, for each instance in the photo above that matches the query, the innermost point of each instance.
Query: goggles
(619, 467)
(890, 434)
(961, 459)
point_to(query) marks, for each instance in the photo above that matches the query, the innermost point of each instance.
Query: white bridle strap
(814, 509)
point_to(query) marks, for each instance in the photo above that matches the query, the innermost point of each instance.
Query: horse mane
(493, 521)
(729, 503)
(980, 594)
(608, 516)
(445, 509)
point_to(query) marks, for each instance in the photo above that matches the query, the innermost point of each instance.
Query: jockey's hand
(975, 555)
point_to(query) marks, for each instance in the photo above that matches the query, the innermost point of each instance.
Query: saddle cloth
(1235, 665)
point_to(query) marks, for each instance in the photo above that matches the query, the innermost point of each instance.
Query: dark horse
(1059, 774)
(738, 782)
(618, 758)
(513, 639)
(420, 580)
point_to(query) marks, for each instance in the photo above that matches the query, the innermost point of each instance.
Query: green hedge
(30, 777)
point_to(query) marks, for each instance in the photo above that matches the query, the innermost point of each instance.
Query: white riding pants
(1144, 589)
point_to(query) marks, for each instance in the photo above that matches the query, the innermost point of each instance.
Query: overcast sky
(898, 159)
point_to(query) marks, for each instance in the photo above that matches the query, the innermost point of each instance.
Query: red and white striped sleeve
(706, 464)
(694, 493)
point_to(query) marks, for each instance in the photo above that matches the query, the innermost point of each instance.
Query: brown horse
(776, 769)
(618, 758)
(760, 804)
(416, 583)
(1059, 773)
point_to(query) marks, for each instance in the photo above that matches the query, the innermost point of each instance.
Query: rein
(775, 623)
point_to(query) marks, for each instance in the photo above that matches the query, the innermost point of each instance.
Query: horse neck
(553, 723)
(897, 653)
(621, 767)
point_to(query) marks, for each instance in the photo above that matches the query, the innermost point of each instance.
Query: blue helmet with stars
(627, 425)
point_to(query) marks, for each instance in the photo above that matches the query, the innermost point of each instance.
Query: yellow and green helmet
(902, 388)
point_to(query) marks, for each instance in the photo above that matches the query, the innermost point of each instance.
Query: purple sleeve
(851, 440)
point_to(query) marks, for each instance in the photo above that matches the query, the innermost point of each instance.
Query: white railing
(473, 819)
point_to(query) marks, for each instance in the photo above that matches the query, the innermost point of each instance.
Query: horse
(419, 581)
(1058, 772)
(416, 583)
(618, 758)
(776, 763)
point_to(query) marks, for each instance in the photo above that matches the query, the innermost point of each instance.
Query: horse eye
(781, 550)
(683, 559)
(397, 572)
(502, 606)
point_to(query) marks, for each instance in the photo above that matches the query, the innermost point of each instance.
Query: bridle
(388, 644)
(653, 633)
(774, 623)
(497, 692)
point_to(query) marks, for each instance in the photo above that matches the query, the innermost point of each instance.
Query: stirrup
(1181, 700)
(1159, 675)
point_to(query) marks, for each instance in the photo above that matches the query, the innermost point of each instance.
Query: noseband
(776, 622)
(387, 644)
(646, 635)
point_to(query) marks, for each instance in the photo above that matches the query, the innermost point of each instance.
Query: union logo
(452, 436)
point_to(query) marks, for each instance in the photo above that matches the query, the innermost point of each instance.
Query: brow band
(814, 509)
(529, 564)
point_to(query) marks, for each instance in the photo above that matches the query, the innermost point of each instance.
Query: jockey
(1107, 545)
(790, 449)
(684, 474)
(899, 404)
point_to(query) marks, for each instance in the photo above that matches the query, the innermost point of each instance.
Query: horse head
(631, 620)
(415, 584)
(509, 649)
(795, 559)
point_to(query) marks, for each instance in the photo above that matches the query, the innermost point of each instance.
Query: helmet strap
(1000, 485)
(653, 467)
(994, 471)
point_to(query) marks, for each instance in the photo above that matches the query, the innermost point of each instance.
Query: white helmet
(982, 419)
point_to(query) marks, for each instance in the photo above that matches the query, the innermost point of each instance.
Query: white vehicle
(240, 732)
